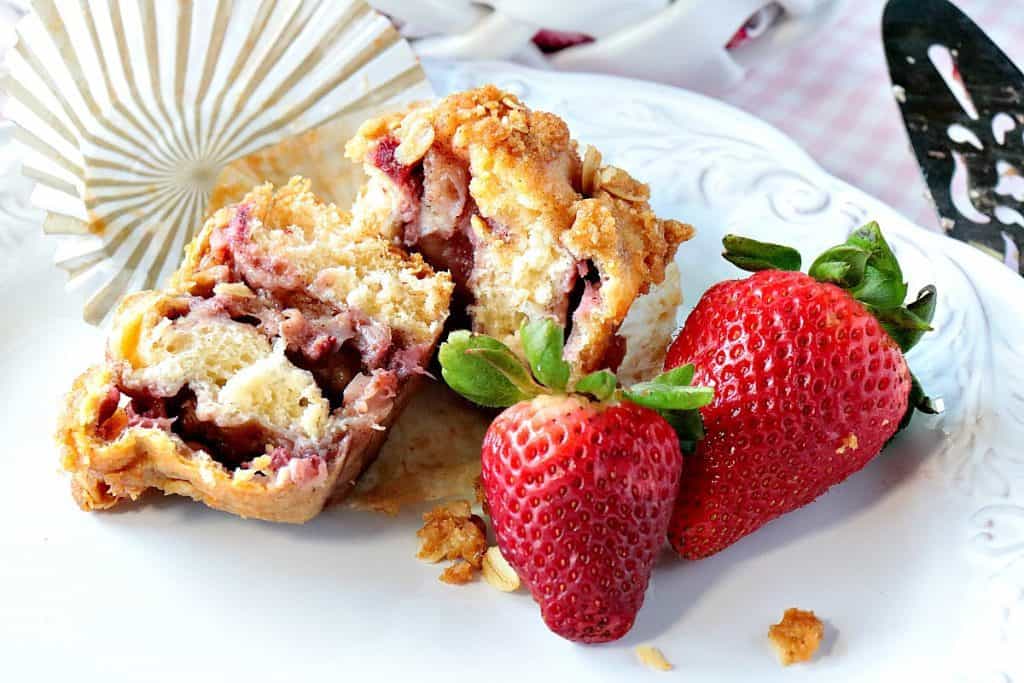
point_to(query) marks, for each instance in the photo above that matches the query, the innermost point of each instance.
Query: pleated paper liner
(130, 109)
(317, 154)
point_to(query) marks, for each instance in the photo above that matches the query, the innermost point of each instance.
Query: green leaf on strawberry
(882, 285)
(841, 265)
(919, 401)
(680, 376)
(664, 395)
(688, 425)
(917, 317)
(866, 267)
(904, 325)
(601, 385)
(543, 342)
(752, 255)
(484, 370)
(487, 372)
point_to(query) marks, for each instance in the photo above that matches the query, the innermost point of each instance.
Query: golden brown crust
(796, 638)
(543, 214)
(105, 471)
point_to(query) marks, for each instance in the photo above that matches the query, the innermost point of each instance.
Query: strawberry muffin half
(500, 197)
(264, 378)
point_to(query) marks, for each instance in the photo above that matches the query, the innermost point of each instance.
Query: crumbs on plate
(498, 572)
(796, 638)
(452, 532)
(652, 658)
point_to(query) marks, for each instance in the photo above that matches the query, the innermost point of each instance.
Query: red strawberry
(580, 494)
(579, 486)
(809, 384)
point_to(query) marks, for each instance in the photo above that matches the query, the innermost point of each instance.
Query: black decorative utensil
(962, 101)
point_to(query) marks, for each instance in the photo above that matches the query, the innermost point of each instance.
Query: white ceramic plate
(916, 563)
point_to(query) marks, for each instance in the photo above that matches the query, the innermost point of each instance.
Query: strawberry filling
(283, 308)
(230, 444)
(408, 179)
(583, 301)
(435, 208)
(148, 412)
(365, 397)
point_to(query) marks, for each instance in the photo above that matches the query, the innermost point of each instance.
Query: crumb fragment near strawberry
(498, 572)
(848, 442)
(652, 658)
(458, 573)
(580, 484)
(797, 637)
(452, 532)
(810, 381)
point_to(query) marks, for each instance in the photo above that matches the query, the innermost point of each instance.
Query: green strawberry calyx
(489, 373)
(866, 267)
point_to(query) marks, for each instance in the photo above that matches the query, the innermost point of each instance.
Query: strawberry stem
(543, 345)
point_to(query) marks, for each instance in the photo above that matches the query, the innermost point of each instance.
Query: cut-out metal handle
(962, 101)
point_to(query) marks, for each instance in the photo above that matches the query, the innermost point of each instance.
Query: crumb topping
(458, 573)
(796, 638)
(452, 532)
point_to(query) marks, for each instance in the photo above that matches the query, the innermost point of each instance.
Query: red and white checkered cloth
(833, 96)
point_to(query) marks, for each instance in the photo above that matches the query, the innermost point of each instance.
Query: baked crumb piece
(458, 573)
(849, 442)
(652, 658)
(452, 532)
(498, 572)
(796, 638)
